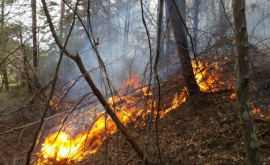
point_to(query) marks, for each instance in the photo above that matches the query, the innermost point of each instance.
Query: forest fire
(134, 82)
(63, 148)
(68, 150)
(208, 81)
(55, 101)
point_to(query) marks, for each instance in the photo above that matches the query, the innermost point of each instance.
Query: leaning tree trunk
(242, 83)
(180, 36)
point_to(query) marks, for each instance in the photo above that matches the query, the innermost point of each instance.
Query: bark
(3, 67)
(126, 32)
(77, 59)
(5, 78)
(180, 36)
(61, 23)
(223, 25)
(26, 76)
(196, 23)
(168, 32)
(168, 40)
(242, 83)
(161, 45)
(34, 31)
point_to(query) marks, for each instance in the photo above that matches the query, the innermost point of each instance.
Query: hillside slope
(209, 134)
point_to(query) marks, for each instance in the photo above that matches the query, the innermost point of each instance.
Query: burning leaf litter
(69, 149)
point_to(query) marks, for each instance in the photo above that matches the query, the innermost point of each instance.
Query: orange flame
(208, 81)
(69, 150)
(63, 148)
(66, 149)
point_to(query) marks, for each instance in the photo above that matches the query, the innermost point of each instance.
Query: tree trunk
(180, 36)
(3, 67)
(167, 53)
(168, 31)
(126, 32)
(26, 76)
(196, 23)
(61, 22)
(242, 83)
(161, 47)
(34, 31)
(5, 79)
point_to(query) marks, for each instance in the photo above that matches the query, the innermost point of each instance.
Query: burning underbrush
(81, 134)
(65, 147)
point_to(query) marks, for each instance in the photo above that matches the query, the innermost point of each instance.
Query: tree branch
(95, 90)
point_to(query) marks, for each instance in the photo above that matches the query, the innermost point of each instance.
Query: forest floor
(210, 135)
(205, 135)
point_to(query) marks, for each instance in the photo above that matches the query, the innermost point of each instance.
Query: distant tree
(242, 83)
(2, 46)
(35, 47)
(61, 22)
(25, 63)
(196, 23)
(168, 31)
(127, 22)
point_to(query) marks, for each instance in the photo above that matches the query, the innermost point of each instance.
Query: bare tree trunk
(196, 23)
(5, 79)
(214, 12)
(61, 23)
(161, 45)
(3, 67)
(126, 32)
(167, 53)
(168, 31)
(25, 69)
(34, 31)
(242, 83)
(180, 36)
